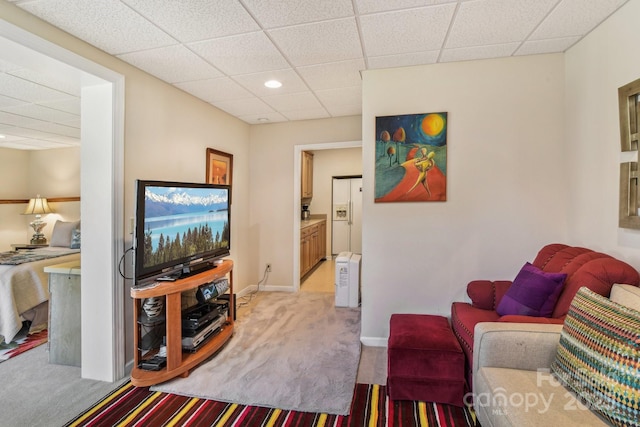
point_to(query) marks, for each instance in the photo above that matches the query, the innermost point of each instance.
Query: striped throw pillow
(598, 357)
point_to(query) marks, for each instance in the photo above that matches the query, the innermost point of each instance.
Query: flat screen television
(180, 228)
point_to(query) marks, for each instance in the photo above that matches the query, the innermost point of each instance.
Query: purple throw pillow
(533, 293)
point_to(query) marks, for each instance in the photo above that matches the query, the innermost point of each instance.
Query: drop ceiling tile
(327, 41)
(241, 54)
(107, 24)
(195, 20)
(490, 22)
(319, 113)
(34, 144)
(6, 66)
(26, 132)
(6, 101)
(404, 59)
(70, 86)
(244, 107)
(263, 119)
(39, 112)
(71, 105)
(371, 6)
(58, 129)
(8, 137)
(292, 101)
(18, 120)
(66, 140)
(292, 12)
(172, 64)
(291, 82)
(333, 74)
(478, 52)
(332, 98)
(546, 46)
(345, 110)
(18, 88)
(575, 18)
(406, 31)
(214, 90)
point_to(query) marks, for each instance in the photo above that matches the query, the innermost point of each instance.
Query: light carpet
(294, 351)
(21, 343)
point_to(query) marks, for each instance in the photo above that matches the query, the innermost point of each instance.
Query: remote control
(153, 364)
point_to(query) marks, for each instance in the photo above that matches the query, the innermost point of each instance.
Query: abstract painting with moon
(411, 158)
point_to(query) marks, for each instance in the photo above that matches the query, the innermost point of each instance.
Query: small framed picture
(219, 167)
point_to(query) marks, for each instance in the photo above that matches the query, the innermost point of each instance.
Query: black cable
(120, 264)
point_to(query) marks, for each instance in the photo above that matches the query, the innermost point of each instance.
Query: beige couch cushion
(515, 397)
(626, 295)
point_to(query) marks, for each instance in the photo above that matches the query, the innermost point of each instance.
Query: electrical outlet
(268, 268)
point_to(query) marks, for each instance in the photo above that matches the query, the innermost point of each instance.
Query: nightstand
(23, 246)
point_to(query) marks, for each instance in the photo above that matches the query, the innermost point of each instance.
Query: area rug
(293, 351)
(131, 406)
(21, 344)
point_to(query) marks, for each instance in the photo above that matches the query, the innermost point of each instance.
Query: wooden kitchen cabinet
(313, 244)
(307, 175)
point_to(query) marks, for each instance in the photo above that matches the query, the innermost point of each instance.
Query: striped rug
(138, 406)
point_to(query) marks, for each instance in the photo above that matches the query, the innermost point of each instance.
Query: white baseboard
(374, 341)
(277, 288)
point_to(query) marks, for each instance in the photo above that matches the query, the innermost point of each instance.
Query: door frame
(297, 204)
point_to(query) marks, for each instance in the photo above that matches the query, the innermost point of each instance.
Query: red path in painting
(435, 178)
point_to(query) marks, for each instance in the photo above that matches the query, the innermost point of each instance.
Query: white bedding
(25, 286)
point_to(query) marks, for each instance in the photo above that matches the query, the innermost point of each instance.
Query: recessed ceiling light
(263, 119)
(273, 84)
(2, 136)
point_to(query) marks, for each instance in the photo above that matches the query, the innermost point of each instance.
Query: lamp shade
(38, 206)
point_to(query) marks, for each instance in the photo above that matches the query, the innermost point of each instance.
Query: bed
(24, 289)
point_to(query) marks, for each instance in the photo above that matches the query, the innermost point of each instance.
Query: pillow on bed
(75, 239)
(62, 231)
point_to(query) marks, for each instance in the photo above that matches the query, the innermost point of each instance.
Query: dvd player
(201, 314)
(192, 339)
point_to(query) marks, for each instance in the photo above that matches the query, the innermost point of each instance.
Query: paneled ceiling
(223, 51)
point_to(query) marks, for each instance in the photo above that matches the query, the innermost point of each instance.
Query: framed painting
(411, 158)
(219, 167)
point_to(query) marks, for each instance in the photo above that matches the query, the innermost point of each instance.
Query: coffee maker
(306, 214)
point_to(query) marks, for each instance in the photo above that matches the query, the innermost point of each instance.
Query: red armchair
(583, 267)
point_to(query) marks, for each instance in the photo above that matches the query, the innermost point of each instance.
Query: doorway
(102, 134)
(321, 201)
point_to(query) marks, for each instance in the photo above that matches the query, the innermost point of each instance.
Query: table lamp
(37, 207)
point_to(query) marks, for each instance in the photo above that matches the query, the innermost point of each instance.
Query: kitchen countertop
(312, 221)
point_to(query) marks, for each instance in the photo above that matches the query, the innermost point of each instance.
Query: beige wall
(14, 167)
(505, 175)
(595, 68)
(50, 173)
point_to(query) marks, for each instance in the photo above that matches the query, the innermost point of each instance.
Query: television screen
(179, 225)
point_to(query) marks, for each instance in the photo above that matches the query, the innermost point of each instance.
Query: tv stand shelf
(178, 363)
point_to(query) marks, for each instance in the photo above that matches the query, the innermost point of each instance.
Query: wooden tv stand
(178, 363)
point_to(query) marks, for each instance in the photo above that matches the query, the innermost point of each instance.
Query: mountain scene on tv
(181, 222)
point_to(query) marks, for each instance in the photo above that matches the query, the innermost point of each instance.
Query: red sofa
(583, 267)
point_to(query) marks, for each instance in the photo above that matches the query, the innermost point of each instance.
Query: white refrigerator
(346, 224)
